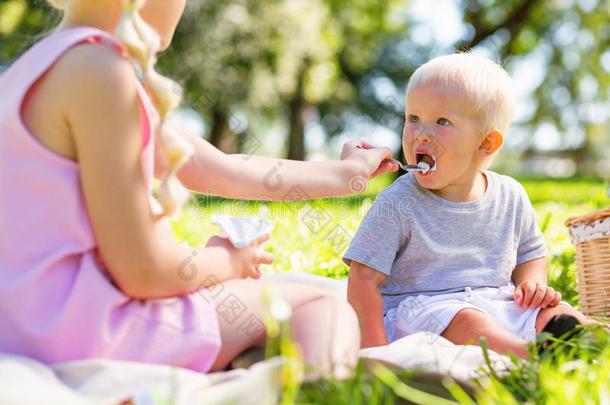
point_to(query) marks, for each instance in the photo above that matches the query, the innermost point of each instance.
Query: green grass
(579, 375)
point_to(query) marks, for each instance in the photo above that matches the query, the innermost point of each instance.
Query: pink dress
(57, 302)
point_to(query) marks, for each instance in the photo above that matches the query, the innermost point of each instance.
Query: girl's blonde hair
(142, 44)
(484, 83)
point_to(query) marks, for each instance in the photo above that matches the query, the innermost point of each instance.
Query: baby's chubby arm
(363, 293)
(530, 279)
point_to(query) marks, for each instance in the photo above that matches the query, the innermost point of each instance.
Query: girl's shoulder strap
(36, 61)
(42, 55)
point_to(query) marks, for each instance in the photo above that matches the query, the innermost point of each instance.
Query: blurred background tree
(296, 78)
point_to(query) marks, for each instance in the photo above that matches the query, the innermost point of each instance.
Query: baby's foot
(564, 327)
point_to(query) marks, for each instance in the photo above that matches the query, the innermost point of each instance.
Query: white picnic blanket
(102, 382)
(24, 381)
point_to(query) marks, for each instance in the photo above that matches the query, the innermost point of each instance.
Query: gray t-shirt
(429, 245)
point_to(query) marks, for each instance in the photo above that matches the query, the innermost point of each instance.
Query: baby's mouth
(428, 159)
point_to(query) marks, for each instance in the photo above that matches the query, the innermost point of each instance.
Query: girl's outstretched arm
(211, 171)
(100, 106)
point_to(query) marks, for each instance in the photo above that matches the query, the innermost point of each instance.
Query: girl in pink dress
(88, 267)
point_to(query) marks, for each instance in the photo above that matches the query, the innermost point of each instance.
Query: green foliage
(251, 65)
(21, 24)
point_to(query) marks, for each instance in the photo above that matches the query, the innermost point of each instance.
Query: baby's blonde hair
(485, 85)
(142, 44)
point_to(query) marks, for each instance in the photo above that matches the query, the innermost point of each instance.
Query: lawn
(311, 236)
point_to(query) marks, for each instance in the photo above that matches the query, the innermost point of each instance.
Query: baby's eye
(412, 118)
(443, 121)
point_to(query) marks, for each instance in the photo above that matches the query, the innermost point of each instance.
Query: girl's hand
(532, 294)
(244, 261)
(374, 161)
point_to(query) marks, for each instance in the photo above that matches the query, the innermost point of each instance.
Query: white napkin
(242, 231)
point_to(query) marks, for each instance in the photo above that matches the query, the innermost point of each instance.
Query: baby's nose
(422, 136)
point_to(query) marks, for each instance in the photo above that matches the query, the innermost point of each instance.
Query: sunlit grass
(579, 375)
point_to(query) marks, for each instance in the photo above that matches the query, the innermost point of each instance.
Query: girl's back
(57, 302)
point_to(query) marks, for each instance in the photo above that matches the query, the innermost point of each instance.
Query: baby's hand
(532, 294)
(244, 261)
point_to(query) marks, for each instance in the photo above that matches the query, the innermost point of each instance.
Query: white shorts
(433, 313)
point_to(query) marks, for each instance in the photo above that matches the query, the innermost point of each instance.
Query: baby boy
(455, 250)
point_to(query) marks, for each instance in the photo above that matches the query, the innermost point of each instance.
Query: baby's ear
(492, 141)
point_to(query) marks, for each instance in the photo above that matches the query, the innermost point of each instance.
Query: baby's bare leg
(324, 326)
(469, 325)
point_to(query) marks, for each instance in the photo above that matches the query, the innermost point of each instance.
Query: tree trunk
(297, 107)
(221, 135)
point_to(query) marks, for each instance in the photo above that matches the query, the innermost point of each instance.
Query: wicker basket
(591, 235)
